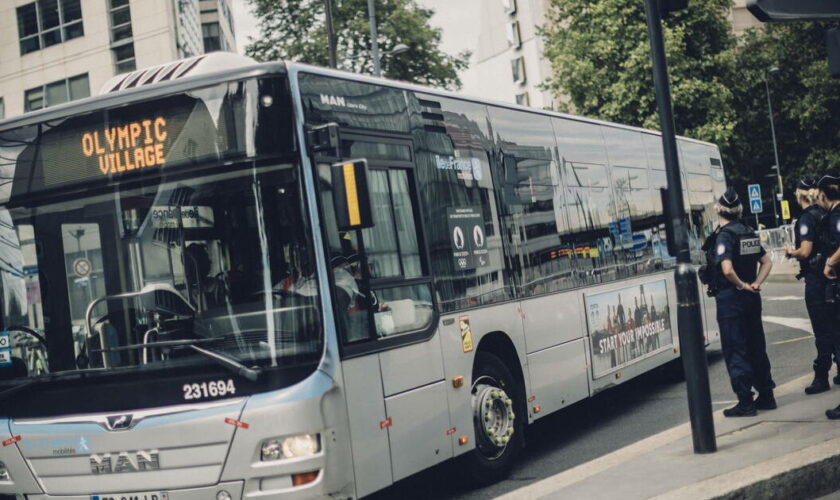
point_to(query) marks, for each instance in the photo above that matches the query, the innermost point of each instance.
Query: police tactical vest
(825, 241)
(747, 251)
(817, 213)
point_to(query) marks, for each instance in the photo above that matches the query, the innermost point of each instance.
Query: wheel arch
(499, 344)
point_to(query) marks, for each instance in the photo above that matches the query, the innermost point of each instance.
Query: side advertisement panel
(628, 324)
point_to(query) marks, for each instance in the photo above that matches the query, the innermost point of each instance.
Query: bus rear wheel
(499, 416)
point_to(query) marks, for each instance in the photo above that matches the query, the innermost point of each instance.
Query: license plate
(145, 495)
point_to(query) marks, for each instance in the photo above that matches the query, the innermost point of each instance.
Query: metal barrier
(773, 240)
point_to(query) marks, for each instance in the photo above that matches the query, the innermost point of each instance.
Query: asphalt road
(635, 410)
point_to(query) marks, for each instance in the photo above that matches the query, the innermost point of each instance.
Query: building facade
(507, 61)
(54, 51)
(217, 26)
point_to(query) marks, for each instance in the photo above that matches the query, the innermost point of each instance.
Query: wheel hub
(494, 418)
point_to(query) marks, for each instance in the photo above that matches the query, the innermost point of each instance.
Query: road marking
(803, 324)
(792, 340)
(724, 402)
(785, 297)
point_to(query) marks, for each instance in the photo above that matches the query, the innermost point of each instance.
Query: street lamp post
(773, 133)
(330, 32)
(374, 43)
(689, 319)
(398, 49)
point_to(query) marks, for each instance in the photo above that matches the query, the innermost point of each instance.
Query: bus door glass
(84, 273)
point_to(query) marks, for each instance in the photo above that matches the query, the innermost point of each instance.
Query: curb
(808, 473)
(782, 475)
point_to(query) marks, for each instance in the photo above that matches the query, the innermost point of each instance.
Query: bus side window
(401, 298)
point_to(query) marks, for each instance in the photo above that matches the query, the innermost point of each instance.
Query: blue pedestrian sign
(754, 191)
(756, 207)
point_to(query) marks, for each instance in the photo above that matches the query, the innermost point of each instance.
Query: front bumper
(234, 489)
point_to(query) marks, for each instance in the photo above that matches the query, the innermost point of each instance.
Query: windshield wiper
(228, 362)
(223, 359)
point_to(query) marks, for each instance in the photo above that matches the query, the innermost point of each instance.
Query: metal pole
(689, 319)
(330, 32)
(374, 43)
(775, 146)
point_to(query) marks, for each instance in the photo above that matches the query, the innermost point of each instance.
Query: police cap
(807, 183)
(831, 178)
(729, 199)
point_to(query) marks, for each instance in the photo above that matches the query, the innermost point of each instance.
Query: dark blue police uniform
(739, 314)
(819, 311)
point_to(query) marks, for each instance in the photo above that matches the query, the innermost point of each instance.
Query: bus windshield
(138, 277)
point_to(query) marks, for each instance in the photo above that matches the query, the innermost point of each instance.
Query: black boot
(820, 383)
(766, 401)
(837, 377)
(833, 414)
(744, 408)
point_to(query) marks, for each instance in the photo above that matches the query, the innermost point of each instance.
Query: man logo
(119, 422)
(333, 100)
(139, 461)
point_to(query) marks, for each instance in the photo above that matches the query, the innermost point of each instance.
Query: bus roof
(163, 88)
(307, 68)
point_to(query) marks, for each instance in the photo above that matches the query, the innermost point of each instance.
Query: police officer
(738, 253)
(829, 199)
(808, 250)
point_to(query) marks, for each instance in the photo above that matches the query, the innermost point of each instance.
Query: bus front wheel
(499, 416)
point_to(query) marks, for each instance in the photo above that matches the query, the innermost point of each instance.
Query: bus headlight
(290, 447)
(4, 473)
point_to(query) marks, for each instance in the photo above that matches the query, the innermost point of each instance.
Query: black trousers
(742, 339)
(824, 321)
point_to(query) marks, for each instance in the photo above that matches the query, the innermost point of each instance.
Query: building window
(517, 67)
(509, 6)
(122, 43)
(124, 60)
(523, 99)
(212, 37)
(57, 92)
(513, 36)
(48, 22)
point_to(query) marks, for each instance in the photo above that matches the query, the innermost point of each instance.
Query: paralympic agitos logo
(128, 147)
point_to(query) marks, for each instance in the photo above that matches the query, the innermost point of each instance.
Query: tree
(600, 56)
(806, 104)
(294, 30)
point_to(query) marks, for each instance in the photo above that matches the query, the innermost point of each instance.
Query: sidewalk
(790, 452)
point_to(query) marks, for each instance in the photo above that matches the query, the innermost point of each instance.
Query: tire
(493, 383)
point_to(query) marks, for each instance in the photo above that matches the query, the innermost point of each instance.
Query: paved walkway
(790, 452)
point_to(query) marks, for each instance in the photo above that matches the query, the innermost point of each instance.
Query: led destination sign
(123, 142)
(137, 145)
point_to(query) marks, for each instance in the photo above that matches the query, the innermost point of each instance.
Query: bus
(224, 279)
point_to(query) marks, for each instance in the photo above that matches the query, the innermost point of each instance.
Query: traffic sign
(754, 191)
(785, 210)
(82, 267)
(756, 207)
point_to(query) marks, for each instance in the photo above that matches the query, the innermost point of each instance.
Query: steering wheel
(28, 331)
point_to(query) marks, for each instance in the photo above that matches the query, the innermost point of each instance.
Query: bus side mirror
(351, 195)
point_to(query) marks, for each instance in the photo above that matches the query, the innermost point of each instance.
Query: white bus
(238, 280)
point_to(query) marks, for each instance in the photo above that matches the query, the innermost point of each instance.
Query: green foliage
(806, 104)
(600, 55)
(295, 30)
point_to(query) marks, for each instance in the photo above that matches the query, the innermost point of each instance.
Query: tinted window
(533, 201)
(452, 142)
